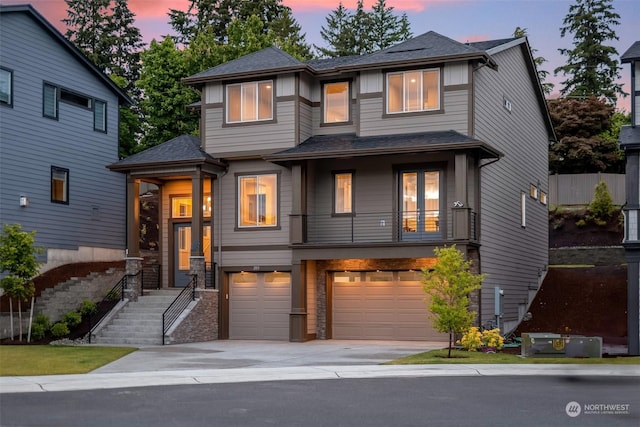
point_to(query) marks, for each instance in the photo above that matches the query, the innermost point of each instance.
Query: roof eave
(417, 61)
(195, 81)
(116, 167)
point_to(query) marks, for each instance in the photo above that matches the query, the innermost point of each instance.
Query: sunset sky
(461, 20)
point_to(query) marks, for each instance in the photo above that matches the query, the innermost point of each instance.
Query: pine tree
(592, 67)
(88, 26)
(386, 29)
(538, 60)
(361, 29)
(337, 34)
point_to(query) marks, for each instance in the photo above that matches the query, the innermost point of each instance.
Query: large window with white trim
(413, 91)
(249, 102)
(258, 200)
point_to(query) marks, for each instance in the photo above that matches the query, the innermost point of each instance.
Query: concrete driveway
(230, 354)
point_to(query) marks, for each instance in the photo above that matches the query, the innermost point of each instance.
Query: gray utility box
(556, 345)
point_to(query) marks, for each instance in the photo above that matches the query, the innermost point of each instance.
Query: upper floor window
(50, 101)
(100, 116)
(336, 102)
(59, 185)
(249, 102)
(410, 91)
(258, 200)
(6, 87)
(343, 193)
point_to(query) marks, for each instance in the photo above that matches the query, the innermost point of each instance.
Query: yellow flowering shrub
(471, 340)
(492, 338)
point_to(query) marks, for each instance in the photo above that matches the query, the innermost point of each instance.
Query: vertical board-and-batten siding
(30, 144)
(512, 256)
(454, 106)
(226, 140)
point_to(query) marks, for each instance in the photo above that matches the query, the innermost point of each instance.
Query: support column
(196, 214)
(298, 316)
(296, 222)
(133, 271)
(197, 267)
(133, 217)
(460, 211)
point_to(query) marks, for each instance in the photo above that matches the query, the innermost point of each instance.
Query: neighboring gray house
(58, 131)
(630, 142)
(321, 188)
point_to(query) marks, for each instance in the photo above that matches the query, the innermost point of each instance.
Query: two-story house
(630, 142)
(320, 189)
(58, 131)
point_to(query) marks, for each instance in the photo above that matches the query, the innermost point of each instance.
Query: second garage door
(259, 306)
(381, 305)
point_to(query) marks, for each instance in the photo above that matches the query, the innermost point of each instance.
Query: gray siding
(512, 256)
(30, 144)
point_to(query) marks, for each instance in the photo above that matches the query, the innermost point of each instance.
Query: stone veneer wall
(325, 267)
(201, 323)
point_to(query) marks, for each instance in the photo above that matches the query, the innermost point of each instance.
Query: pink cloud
(156, 8)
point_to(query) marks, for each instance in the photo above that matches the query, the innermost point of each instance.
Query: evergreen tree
(165, 96)
(591, 68)
(538, 60)
(337, 34)
(387, 29)
(362, 32)
(88, 26)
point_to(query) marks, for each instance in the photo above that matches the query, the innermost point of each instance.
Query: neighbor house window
(523, 210)
(100, 116)
(249, 102)
(258, 200)
(59, 185)
(543, 197)
(6, 87)
(50, 101)
(75, 98)
(343, 193)
(336, 102)
(533, 191)
(413, 91)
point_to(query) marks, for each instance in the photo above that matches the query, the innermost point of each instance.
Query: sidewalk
(247, 361)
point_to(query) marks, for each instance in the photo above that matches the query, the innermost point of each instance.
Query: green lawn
(470, 357)
(16, 360)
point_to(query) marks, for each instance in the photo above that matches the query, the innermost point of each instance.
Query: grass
(22, 360)
(471, 357)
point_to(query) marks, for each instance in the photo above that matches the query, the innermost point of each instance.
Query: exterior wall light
(24, 201)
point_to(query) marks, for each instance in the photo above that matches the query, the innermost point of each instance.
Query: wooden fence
(578, 189)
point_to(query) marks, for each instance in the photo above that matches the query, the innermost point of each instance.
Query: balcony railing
(381, 227)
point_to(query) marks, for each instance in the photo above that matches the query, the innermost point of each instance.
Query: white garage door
(381, 305)
(259, 306)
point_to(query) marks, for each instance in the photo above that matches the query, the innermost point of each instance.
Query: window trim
(238, 209)
(65, 200)
(323, 103)
(334, 182)
(56, 98)
(257, 101)
(533, 191)
(63, 92)
(441, 169)
(543, 198)
(105, 115)
(8, 103)
(523, 209)
(439, 108)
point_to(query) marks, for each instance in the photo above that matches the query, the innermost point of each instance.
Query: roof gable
(632, 54)
(5, 11)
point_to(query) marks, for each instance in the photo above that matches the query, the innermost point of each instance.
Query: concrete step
(129, 341)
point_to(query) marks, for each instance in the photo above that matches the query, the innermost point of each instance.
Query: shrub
(60, 330)
(38, 331)
(43, 320)
(601, 207)
(87, 308)
(471, 340)
(72, 319)
(492, 338)
(581, 223)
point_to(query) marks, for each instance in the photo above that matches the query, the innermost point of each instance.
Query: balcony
(383, 227)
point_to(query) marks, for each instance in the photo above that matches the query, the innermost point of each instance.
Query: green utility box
(556, 345)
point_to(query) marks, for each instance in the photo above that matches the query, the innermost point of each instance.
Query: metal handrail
(115, 295)
(178, 305)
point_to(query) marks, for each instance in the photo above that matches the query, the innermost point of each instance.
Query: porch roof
(629, 137)
(183, 150)
(350, 145)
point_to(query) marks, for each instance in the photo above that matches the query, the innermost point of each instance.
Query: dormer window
(413, 91)
(250, 102)
(336, 102)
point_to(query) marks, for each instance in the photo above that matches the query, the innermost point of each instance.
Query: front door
(420, 204)
(182, 251)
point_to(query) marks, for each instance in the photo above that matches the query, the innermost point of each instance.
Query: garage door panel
(382, 310)
(259, 306)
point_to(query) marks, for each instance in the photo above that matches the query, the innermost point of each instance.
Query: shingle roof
(182, 149)
(490, 44)
(269, 59)
(349, 145)
(632, 53)
(629, 136)
(70, 47)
